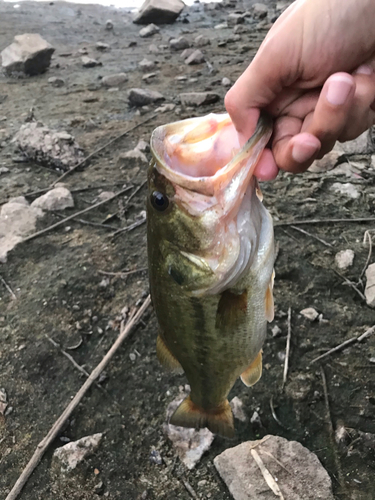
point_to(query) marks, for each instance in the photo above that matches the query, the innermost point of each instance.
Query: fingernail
(339, 88)
(304, 152)
(365, 69)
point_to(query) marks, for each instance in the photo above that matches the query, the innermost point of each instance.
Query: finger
(332, 110)
(266, 169)
(362, 113)
(293, 151)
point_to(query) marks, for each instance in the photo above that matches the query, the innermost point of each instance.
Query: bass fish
(211, 257)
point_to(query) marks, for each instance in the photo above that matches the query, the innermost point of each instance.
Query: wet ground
(62, 290)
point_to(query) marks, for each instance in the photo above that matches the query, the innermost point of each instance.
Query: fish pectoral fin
(253, 373)
(218, 420)
(269, 302)
(166, 358)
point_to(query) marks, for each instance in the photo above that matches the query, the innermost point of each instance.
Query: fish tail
(218, 420)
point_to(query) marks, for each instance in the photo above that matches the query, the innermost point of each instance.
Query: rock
(234, 19)
(130, 158)
(17, 219)
(189, 444)
(310, 313)
(298, 472)
(344, 259)
(202, 41)
(148, 77)
(300, 386)
(56, 82)
(105, 195)
(180, 43)
(347, 189)
(29, 54)
(198, 98)
(109, 25)
(255, 420)
(260, 10)
(221, 26)
(71, 454)
(276, 331)
(187, 53)
(153, 49)
(4, 170)
(237, 409)
(195, 58)
(361, 145)
(56, 199)
(149, 30)
(370, 285)
(51, 148)
(166, 107)
(159, 11)
(146, 65)
(142, 97)
(225, 82)
(89, 62)
(103, 47)
(155, 457)
(115, 80)
(240, 28)
(143, 145)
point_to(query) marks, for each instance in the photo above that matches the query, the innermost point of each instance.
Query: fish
(211, 255)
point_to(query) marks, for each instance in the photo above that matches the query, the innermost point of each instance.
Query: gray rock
(148, 77)
(29, 54)
(166, 107)
(153, 49)
(221, 26)
(56, 199)
(159, 11)
(4, 170)
(198, 98)
(347, 189)
(109, 25)
(146, 65)
(142, 97)
(344, 259)
(103, 47)
(187, 53)
(234, 19)
(105, 195)
(56, 82)
(180, 43)
(370, 285)
(149, 30)
(143, 146)
(225, 82)
(260, 10)
(237, 409)
(51, 148)
(328, 162)
(89, 62)
(116, 80)
(202, 41)
(130, 157)
(71, 454)
(195, 58)
(190, 444)
(296, 471)
(310, 313)
(362, 145)
(241, 28)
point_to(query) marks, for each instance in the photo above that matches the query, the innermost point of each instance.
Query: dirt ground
(62, 293)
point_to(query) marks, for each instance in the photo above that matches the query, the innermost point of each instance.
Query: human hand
(314, 73)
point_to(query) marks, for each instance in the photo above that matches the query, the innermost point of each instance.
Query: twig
(189, 489)
(286, 365)
(57, 224)
(68, 172)
(311, 236)
(55, 429)
(122, 274)
(13, 295)
(351, 284)
(127, 201)
(345, 344)
(68, 356)
(129, 228)
(89, 223)
(331, 429)
(272, 484)
(366, 236)
(321, 221)
(276, 418)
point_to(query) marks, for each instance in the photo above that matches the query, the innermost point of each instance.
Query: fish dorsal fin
(166, 358)
(269, 303)
(253, 373)
(218, 420)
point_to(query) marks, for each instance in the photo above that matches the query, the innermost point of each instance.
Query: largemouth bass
(211, 257)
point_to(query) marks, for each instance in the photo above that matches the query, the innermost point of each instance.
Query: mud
(62, 292)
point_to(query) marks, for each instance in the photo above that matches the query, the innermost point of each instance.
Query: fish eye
(159, 201)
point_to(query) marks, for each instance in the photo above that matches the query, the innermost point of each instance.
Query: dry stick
(128, 201)
(68, 356)
(366, 236)
(189, 489)
(331, 429)
(14, 296)
(57, 224)
(276, 418)
(129, 228)
(286, 365)
(345, 344)
(268, 477)
(311, 236)
(122, 274)
(89, 223)
(351, 284)
(55, 429)
(321, 221)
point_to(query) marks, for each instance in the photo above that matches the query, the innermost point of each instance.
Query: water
(128, 4)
